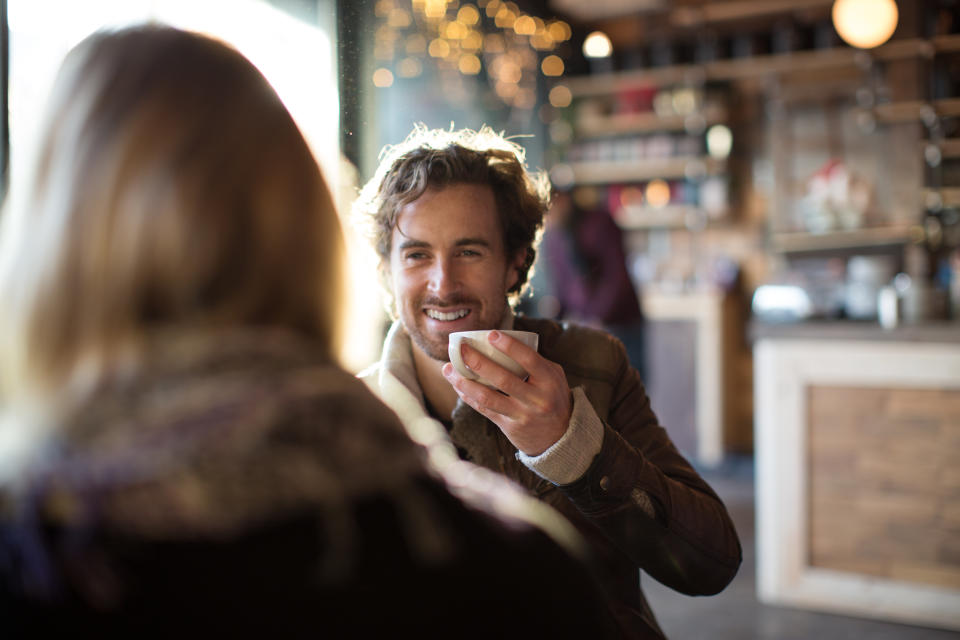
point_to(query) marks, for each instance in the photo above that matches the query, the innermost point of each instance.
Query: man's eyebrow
(410, 243)
(467, 241)
(413, 244)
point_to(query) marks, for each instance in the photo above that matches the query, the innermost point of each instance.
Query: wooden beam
(746, 68)
(744, 9)
(947, 44)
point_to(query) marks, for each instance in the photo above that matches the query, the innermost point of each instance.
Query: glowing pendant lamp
(865, 23)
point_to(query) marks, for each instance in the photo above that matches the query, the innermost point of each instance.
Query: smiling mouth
(446, 316)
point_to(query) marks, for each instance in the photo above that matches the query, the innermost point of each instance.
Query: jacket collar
(400, 388)
(396, 364)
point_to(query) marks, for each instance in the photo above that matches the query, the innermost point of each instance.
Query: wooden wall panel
(884, 492)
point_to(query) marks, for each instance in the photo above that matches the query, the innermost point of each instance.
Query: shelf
(668, 217)
(948, 107)
(757, 66)
(639, 171)
(621, 123)
(949, 147)
(913, 110)
(798, 242)
(894, 112)
(949, 196)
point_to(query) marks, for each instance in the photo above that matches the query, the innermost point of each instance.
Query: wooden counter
(857, 434)
(943, 332)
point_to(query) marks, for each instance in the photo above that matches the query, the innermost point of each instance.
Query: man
(455, 218)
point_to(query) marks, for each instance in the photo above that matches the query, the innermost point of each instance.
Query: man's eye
(416, 255)
(469, 252)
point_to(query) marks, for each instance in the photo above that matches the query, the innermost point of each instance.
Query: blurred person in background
(180, 452)
(587, 270)
(454, 217)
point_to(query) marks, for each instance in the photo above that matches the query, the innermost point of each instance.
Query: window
(295, 56)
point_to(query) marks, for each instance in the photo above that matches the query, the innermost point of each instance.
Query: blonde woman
(179, 450)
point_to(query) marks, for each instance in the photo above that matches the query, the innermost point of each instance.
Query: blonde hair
(173, 190)
(437, 158)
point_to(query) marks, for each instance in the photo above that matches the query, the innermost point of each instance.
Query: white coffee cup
(480, 341)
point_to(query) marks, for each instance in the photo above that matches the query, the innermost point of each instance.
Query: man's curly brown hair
(438, 158)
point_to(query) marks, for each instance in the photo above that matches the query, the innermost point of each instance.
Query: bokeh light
(631, 196)
(525, 26)
(469, 65)
(382, 78)
(409, 68)
(439, 48)
(559, 30)
(560, 96)
(468, 15)
(658, 193)
(597, 45)
(552, 66)
(719, 141)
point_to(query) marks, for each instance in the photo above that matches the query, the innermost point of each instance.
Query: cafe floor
(736, 614)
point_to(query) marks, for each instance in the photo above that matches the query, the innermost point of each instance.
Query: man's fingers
(502, 379)
(544, 374)
(533, 423)
(528, 358)
(483, 399)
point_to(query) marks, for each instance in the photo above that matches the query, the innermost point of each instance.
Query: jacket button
(604, 483)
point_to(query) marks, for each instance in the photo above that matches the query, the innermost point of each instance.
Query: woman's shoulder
(212, 445)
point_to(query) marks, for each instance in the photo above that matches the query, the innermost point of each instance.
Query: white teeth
(447, 317)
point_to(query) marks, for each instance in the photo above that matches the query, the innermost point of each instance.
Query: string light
(468, 37)
(560, 96)
(439, 48)
(468, 15)
(552, 66)
(525, 26)
(409, 68)
(382, 78)
(559, 30)
(469, 65)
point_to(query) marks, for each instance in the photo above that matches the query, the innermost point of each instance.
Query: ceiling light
(597, 45)
(865, 23)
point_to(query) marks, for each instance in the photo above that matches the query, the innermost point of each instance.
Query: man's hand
(533, 413)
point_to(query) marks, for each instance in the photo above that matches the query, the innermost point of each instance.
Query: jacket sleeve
(689, 542)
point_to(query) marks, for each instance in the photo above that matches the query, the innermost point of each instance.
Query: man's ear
(513, 269)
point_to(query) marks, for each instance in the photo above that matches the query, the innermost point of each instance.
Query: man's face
(448, 265)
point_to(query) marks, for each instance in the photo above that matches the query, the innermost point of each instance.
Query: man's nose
(443, 278)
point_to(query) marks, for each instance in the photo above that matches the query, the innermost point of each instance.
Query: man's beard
(420, 337)
(432, 349)
(437, 349)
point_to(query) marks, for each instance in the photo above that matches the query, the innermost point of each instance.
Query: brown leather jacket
(690, 543)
